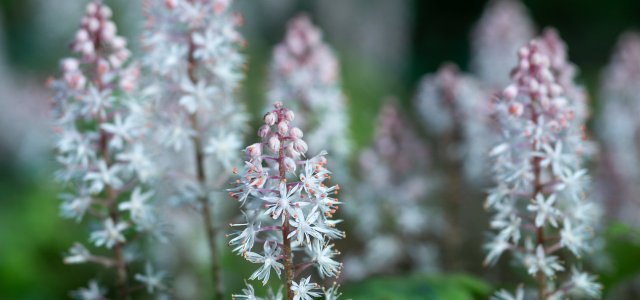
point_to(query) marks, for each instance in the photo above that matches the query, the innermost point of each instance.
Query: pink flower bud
(277, 105)
(254, 150)
(300, 146)
(289, 115)
(87, 49)
(264, 130)
(274, 143)
(510, 92)
(105, 12)
(82, 36)
(170, 4)
(119, 43)
(291, 151)
(283, 128)
(516, 109)
(290, 164)
(295, 133)
(93, 24)
(270, 118)
(69, 65)
(92, 7)
(108, 32)
(103, 67)
(523, 52)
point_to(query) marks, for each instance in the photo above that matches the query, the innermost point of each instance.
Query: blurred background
(384, 47)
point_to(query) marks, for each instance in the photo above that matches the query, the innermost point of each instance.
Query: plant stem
(540, 239)
(204, 197)
(286, 243)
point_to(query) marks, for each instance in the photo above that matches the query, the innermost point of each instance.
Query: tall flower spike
(390, 206)
(618, 128)
(97, 124)
(504, 27)
(288, 207)
(537, 215)
(456, 111)
(196, 67)
(305, 74)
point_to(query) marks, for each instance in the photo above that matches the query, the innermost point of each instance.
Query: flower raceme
(540, 201)
(288, 210)
(97, 124)
(195, 63)
(305, 74)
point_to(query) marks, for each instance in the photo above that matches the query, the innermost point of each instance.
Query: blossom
(584, 285)
(304, 290)
(110, 234)
(92, 292)
(322, 254)
(137, 205)
(77, 254)
(544, 209)
(269, 261)
(283, 202)
(151, 279)
(548, 264)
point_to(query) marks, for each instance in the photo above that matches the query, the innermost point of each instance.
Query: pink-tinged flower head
(99, 127)
(304, 74)
(391, 200)
(504, 27)
(453, 107)
(286, 200)
(619, 126)
(541, 186)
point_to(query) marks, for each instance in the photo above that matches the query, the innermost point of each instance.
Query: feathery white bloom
(110, 234)
(93, 292)
(269, 260)
(152, 279)
(305, 290)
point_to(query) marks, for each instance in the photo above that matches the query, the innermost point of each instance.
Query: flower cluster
(97, 124)
(193, 55)
(305, 74)
(390, 206)
(540, 201)
(454, 108)
(288, 209)
(619, 127)
(503, 28)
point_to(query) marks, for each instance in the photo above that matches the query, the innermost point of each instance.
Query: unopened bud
(270, 118)
(516, 109)
(283, 128)
(263, 131)
(295, 133)
(254, 150)
(289, 115)
(300, 146)
(274, 143)
(510, 92)
(289, 164)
